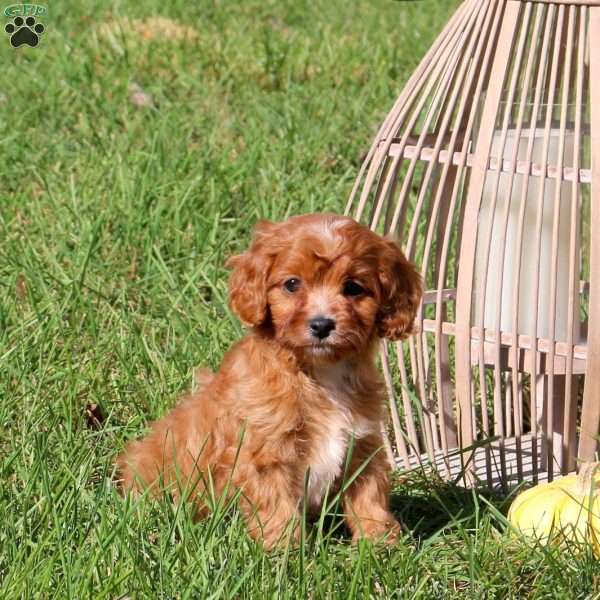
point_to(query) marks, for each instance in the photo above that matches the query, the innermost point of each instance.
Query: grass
(115, 222)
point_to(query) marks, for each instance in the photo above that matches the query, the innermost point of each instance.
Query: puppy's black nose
(321, 327)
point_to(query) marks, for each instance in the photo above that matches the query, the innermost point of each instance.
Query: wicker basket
(487, 168)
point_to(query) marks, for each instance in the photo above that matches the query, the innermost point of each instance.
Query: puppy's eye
(351, 288)
(292, 285)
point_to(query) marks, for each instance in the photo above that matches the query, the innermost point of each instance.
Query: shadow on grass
(424, 503)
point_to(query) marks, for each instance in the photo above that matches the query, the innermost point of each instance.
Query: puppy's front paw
(279, 538)
(388, 531)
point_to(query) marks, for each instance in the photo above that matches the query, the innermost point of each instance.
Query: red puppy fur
(317, 292)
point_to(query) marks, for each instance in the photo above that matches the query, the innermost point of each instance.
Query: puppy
(278, 418)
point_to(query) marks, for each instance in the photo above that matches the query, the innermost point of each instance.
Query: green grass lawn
(115, 222)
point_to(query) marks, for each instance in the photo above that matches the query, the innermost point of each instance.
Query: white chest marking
(329, 453)
(327, 458)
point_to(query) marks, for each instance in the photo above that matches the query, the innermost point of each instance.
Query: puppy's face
(324, 286)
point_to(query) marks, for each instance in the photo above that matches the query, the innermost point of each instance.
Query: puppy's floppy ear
(248, 280)
(402, 290)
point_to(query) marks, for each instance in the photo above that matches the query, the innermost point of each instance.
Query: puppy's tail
(201, 377)
(147, 463)
(127, 466)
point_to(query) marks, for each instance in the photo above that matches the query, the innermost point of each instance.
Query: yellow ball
(565, 509)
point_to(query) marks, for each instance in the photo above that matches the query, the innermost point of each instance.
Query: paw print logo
(24, 31)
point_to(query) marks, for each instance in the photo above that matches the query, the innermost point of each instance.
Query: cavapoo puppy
(290, 399)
